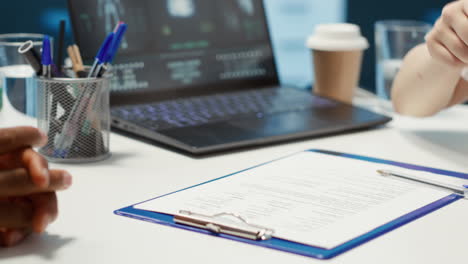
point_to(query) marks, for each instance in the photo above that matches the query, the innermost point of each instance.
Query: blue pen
(101, 56)
(46, 58)
(113, 49)
(119, 34)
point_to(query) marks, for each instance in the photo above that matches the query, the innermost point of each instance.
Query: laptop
(200, 76)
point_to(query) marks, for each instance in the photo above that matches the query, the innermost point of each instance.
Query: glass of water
(16, 74)
(394, 39)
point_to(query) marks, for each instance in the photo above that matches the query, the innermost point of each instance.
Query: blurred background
(291, 21)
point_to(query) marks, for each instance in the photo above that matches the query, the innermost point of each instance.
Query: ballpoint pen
(463, 190)
(46, 58)
(47, 72)
(119, 32)
(100, 57)
(95, 118)
(72, 125)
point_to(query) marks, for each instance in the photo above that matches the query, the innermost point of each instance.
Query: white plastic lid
(337, 37)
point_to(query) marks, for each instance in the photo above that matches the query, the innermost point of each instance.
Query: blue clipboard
(301, 249)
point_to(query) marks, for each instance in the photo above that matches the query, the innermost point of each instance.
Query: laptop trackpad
(250, 128)
(282, 124)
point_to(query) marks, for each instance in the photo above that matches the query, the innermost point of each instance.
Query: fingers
(17, 182)
(37, 167)
(22, 215)
(45, 210)
(448, 41)
(20, 137)
(12, 237)
(14, 214)
(459, 23)
(440, 52)
(32, 161)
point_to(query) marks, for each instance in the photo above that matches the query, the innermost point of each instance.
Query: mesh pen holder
(75, 114)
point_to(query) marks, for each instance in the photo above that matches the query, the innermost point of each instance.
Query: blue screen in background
(35, 17)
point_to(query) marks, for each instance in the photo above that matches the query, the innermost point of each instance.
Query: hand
(27, 187)
(448, 41)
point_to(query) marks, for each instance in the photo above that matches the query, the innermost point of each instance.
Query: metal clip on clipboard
(218, 225)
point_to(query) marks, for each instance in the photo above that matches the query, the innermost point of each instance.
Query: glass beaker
(394, 39)
(16, 75)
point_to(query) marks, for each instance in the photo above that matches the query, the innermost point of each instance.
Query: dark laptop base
(258, 131)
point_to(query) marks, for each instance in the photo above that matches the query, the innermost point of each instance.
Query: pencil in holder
(75, 114)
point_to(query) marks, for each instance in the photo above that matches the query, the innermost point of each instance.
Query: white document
(310, 198)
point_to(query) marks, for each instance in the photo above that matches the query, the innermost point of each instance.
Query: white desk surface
(87, 231)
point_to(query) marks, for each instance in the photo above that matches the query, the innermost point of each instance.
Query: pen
(72, 125)
(46, 58)
(100, 57)
(77, 61)
(47, 62)
(119, 32)
(30, 54)
(61, 44)
(458, 190)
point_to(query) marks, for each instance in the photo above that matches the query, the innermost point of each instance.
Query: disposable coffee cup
(337, 51)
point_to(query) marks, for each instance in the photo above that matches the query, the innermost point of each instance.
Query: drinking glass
(394, 39)
(16, 82)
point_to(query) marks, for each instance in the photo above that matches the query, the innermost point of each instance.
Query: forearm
(424, 86)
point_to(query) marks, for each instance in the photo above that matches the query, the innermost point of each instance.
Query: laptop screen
(179, 44)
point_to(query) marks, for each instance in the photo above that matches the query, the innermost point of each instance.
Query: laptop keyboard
(196, 111)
